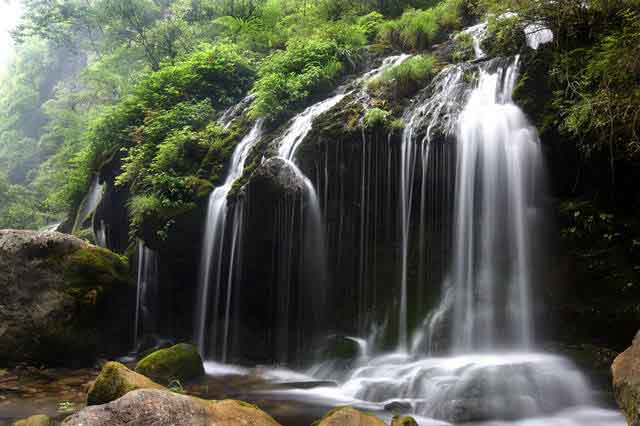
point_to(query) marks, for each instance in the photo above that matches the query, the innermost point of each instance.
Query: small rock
(403, 421)
(180, 362)
(37, 420)
(114, 381)
(162, 407)
(398, 407)
(348, 416)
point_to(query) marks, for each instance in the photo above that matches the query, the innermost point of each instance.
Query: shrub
(419, 29)
(405, 79)
(505, 35)
(463, 48)
(376, 117)
(308, 66)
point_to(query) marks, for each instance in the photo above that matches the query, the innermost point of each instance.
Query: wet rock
(484, 409)
(626, 381)
(63, 300)
(348, 416)
(37, 420)
(276, 176)
(341, 347)
(161, 407)
(180, 362)
(114, 381)
(398, 407)
(403, 421)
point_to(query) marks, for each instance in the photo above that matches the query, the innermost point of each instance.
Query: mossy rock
(161, 407)
(92, 266)
(114, 381)
(180, 362)
(403, 421)
(37, 420)
(64, 300)
(348, 416)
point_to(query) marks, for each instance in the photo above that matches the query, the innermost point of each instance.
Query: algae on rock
(179, 362)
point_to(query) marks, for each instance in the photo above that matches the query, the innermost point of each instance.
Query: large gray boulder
(626, 381)
(62, 300)
(162, 407)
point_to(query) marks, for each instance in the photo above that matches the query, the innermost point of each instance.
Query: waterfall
(89, 203)
(437, 114)
(498, 170)
(219, 253)
(146, 295)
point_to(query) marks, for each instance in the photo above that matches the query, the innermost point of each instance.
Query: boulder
(114, 381)
(348, 416)
(63, 299)
(37, 420)
(162, 407)
(403, 421)
(180, 362)
(626, 382)
(277, 177)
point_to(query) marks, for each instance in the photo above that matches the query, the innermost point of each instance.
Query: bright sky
(9, 14)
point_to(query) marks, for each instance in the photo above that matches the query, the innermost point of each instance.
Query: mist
(10, 11)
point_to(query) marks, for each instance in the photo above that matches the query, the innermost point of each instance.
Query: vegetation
(404, 79)
(146, 81)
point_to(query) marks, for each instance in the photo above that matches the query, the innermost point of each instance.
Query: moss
(403, 421)
(94, 267)
(181, 362)
(114, 381)
(85, 234)
(349, 417)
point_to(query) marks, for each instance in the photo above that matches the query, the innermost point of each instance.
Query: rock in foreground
(116, 380)
(37, 420)
(180, 362)
(348, 416)
(626, 381)
(63, 300)
(162, 407)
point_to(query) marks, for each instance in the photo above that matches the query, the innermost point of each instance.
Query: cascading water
(146, 295)
(498, 168)
(89, 203)
(470, 166)
(486, 295)
(219, 253)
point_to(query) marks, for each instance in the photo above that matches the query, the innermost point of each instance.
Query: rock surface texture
(162, 407)
(347, 416)
(626, 381)
(180, 362)
(116, 380)
(62, 300)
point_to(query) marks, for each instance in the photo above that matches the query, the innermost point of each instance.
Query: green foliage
(505, 35)
(404, 79)
(603, 106)
(463, 47)
(376, 117)
(420, 29)
(308, 66)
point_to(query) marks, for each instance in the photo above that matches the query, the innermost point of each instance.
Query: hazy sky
(9, 13)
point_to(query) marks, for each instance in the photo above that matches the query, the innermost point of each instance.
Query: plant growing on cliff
(405, 79)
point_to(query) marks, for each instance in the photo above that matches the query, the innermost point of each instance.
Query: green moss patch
(180, 362)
